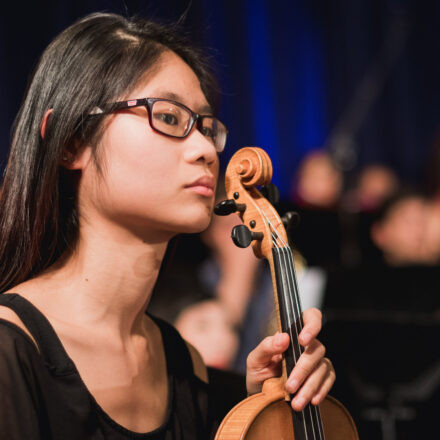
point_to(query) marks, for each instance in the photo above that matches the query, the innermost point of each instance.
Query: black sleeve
(18, 392)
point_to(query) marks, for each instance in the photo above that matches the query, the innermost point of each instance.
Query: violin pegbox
(248, 168)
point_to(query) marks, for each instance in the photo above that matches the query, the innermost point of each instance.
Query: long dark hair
(95, 61)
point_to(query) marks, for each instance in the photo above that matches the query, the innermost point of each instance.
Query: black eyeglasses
(173, 119)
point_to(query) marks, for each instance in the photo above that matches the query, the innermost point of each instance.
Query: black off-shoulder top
(42, 395)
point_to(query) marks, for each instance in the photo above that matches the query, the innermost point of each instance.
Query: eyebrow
(203, 110)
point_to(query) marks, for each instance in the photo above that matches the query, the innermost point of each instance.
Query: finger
(264, 362)
(316, 387)
(324, 389)
(312, 326)
(307, 362)
(256, 378)
(269, 347)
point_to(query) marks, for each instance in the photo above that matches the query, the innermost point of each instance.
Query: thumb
(270, 346)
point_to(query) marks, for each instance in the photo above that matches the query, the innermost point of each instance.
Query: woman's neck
(105, 284)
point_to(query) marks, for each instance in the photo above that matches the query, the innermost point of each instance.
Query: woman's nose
(199, 148)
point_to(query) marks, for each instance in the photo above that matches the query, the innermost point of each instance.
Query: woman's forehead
(173, 79)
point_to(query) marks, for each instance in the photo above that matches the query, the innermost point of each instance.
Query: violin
(268, 414)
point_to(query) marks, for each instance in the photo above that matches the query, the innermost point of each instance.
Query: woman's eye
(167, 118)
(208, 132)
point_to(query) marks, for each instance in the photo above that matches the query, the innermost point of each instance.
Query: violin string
(274, 231)
(295, 305)
(288, 307)
(314, 410)
(276, 236)
(291, 317)
(310, 417)
(289, 327)
(297, 324)
(284, 245)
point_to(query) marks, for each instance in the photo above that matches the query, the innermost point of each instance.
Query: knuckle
(277, 359)
(302, 371)
(261, 353)
(317, 348)
(317, 312)
(328, 364)
(263, 346)
(331, 373)
(251, 359)
(267, 344)
(320, 348)
(309, 392)
(313, 317)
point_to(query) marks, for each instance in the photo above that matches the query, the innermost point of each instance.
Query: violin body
(267, 415)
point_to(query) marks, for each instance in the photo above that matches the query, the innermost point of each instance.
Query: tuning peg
(271, 192)
(290, 219)
(242, 236)
(229, 206)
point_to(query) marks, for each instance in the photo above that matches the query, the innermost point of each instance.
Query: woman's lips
(204, 186)
(202, 190)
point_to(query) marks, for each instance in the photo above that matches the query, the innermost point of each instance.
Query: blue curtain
(288, 70)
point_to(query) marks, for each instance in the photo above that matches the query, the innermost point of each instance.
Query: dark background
(358, 76)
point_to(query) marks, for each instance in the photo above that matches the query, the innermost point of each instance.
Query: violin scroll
(251, 165)
(248, 168)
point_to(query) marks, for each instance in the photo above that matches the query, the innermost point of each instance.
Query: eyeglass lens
(174, 120)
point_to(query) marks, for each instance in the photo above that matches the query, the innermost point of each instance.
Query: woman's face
(150, 183)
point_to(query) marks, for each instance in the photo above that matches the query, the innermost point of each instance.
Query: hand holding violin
(313, 375)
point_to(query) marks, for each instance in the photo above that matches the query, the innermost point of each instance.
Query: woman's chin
(195, 225)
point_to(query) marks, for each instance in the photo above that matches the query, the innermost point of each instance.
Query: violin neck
(288, 303)
(307, 424)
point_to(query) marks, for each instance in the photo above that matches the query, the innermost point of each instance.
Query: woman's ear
(77, 157)
(44, 122)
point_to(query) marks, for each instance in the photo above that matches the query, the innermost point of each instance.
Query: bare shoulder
(199, 366)
(9, 315)
(29, 290)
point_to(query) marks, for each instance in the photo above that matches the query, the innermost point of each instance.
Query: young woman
(110, 158)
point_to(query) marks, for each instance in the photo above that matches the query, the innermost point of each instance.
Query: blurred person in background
(404, 231)
(207, 325)
(318, 183)
(316, 195)
(374, 184)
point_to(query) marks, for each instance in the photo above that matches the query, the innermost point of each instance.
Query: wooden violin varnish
(268, 415)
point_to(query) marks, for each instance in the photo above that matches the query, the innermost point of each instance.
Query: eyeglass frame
(195, 118)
